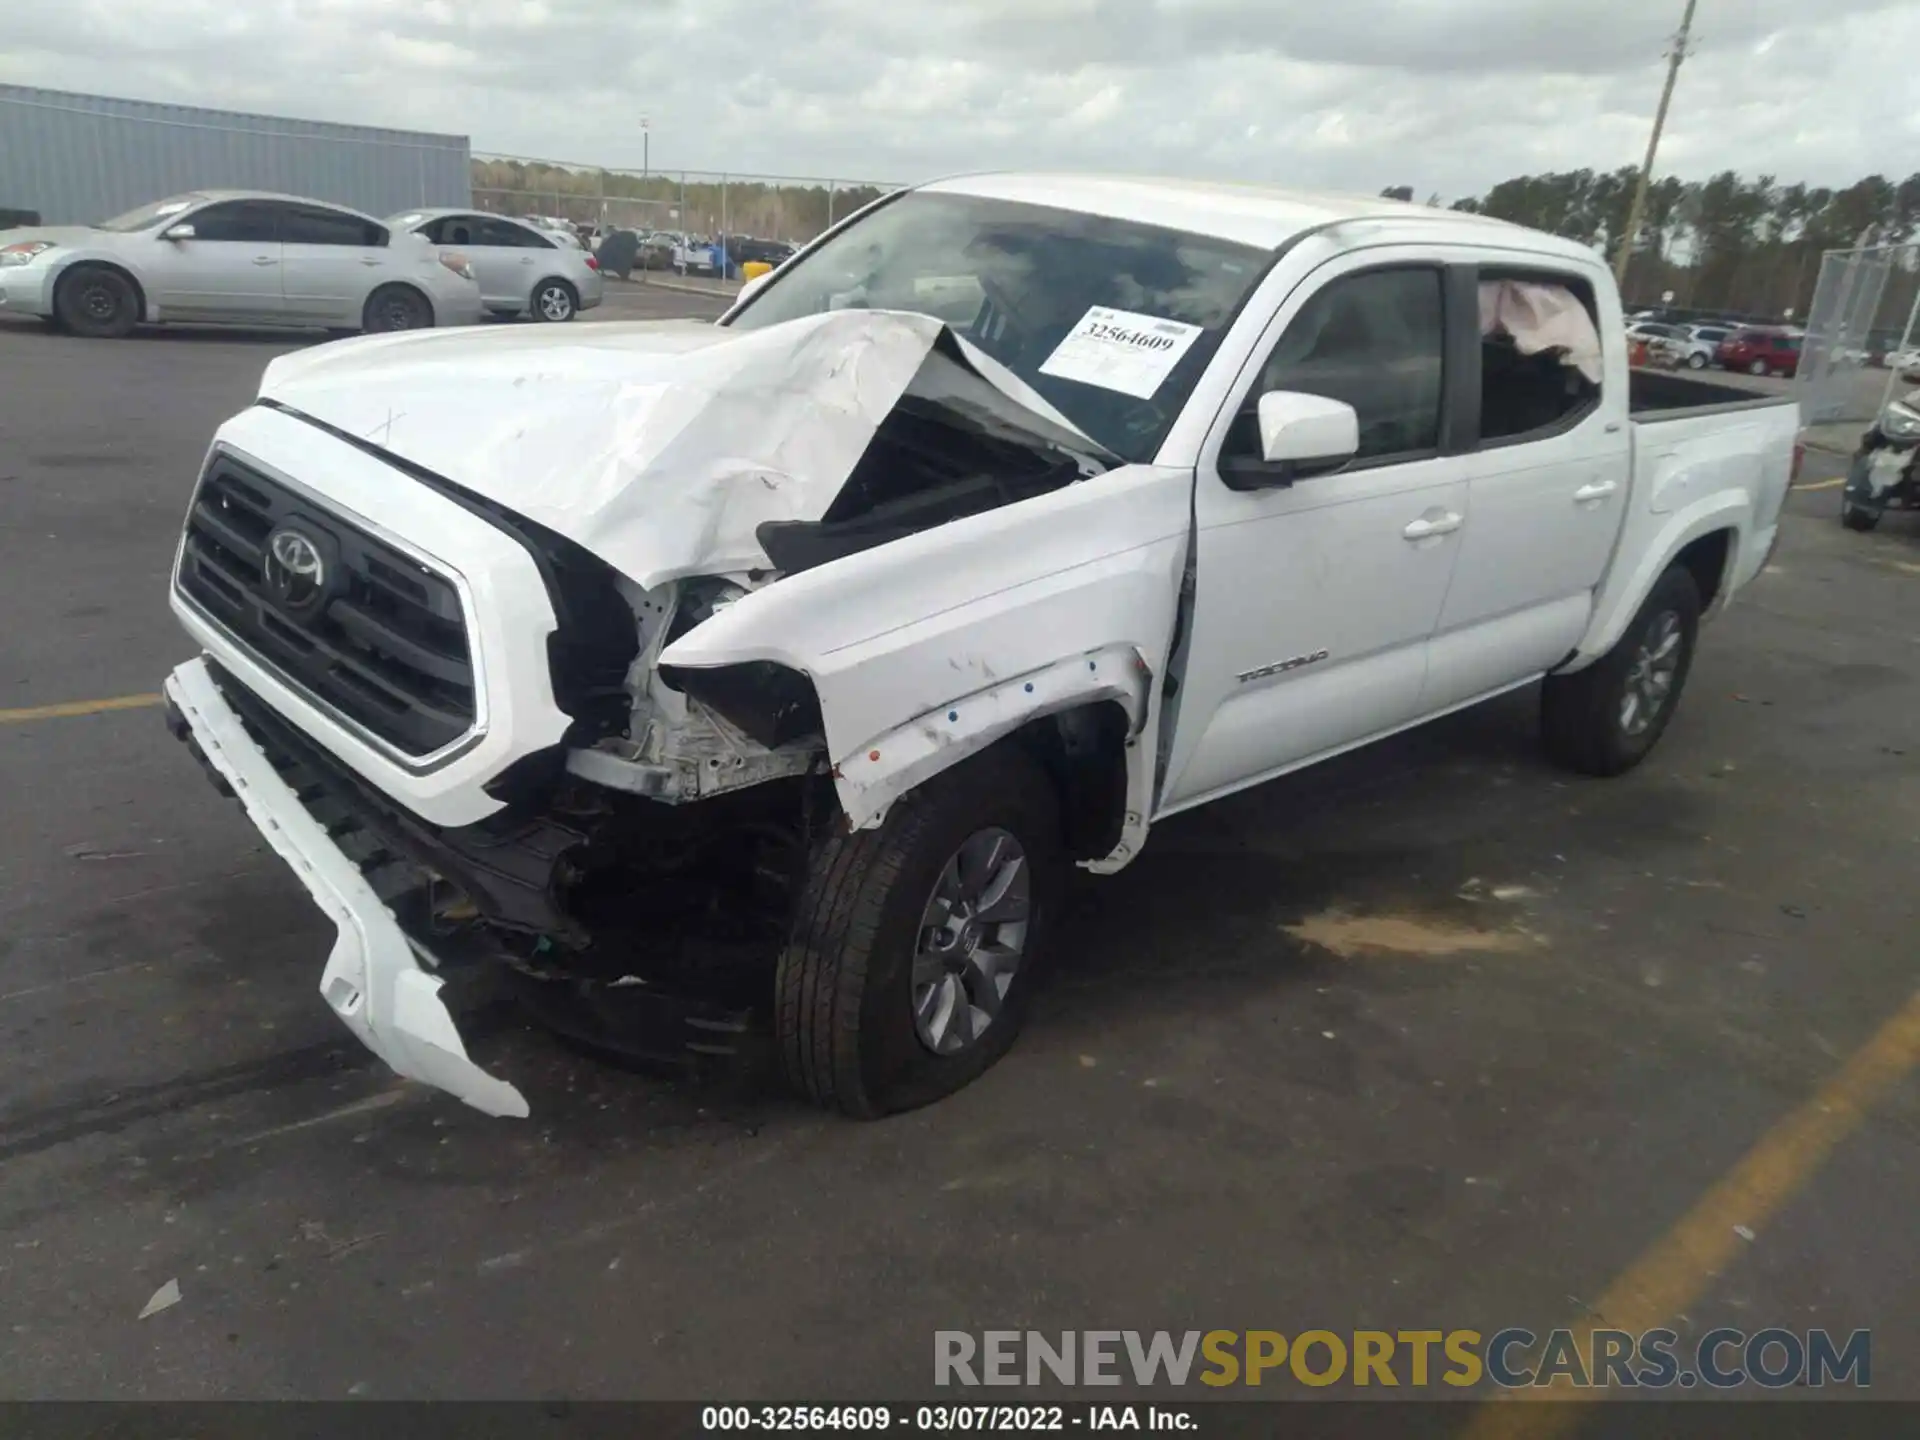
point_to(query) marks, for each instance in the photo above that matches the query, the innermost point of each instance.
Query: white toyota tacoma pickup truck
(763, 678)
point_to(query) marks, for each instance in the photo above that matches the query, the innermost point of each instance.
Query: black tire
(554, 301)
(1858, 517)
(1696, 361)
(396, 307)
(844, 1023)
(1758, 367)
(1582, 717)
(97, 302)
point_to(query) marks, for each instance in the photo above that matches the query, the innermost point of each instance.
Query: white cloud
(1443, 95)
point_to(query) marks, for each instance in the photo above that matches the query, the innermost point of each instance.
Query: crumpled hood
(658, 446)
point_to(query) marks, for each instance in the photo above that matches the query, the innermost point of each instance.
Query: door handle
(265, 260)
(369, 260)
(1598, 490)
(1422, 529)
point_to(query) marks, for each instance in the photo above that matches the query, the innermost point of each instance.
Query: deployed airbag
(1542, 317)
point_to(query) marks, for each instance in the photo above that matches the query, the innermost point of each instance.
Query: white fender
(1627, 586)
(932, 647)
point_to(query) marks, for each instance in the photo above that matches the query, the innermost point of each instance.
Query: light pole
(1675, 56)
(646, 135)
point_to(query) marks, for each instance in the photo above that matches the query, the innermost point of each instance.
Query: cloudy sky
(1444, 95)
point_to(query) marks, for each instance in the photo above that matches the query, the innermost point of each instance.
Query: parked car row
(686, 254)
(253, 257)
(1755, 349)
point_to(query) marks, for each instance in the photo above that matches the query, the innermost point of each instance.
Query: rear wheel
(1604, 720)
(554, 301)
(911, 962)
(396, 307)
(94, 301)
(1696, 361)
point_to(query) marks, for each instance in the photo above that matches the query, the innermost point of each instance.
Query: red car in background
(1761, 352)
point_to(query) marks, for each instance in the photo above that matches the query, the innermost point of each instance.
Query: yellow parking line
(78, 707)
(1672, 1273)
(1822, 484)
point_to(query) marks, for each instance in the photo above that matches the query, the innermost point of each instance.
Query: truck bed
(1655, 395)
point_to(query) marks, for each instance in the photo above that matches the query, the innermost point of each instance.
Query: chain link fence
(1861, 333)
(697, 205)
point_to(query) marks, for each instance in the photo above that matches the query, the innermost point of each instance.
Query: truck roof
(1263, 215)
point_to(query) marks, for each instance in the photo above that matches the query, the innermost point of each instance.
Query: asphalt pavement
(1434, 1036)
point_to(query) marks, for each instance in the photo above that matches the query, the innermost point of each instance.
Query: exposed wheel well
(139, 293)
(1706, 559)
(1084, 751)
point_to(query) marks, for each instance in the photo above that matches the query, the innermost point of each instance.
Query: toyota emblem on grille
(294, 570)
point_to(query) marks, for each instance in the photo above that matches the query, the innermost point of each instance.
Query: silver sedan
(522, 269)
(234, 257)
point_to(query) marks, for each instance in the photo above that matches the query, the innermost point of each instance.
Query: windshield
(1112, 322)
(148, 216)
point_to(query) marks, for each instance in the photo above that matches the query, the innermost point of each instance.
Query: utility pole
(1674, 57)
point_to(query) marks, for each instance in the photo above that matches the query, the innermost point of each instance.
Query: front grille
(383, 644)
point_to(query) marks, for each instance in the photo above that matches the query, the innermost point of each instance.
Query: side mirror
(1300, 435)
(752, 285)
(182, 231)
(1307, 431)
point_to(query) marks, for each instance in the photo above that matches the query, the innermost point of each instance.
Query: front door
(511, 263)
(1314, 602)
(228, 270)
(502, 267)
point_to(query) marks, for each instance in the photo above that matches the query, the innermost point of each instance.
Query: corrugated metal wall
(76, 158)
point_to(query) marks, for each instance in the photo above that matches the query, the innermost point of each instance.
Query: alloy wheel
(972, 937)
(1656, 662)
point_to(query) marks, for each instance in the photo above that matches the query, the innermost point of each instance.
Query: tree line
(1748, 247)
(794, 210)
(1744, 246)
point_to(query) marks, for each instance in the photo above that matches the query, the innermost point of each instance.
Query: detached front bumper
(374, 979)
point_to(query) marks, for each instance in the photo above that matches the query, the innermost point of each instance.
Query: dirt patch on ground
(1350, 935)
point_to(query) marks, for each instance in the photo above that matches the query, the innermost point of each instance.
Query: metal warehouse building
(78, 158)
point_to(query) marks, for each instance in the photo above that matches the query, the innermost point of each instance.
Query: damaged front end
(642, 927)
(634, 883)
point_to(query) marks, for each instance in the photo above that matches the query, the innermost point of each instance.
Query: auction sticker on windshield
(1119, 350)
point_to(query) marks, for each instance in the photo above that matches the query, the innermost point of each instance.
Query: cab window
(1540, 361)
(1376, 340)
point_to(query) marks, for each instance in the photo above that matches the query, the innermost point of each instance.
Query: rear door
(228, 270)
(331, 260)
(1551, 458)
